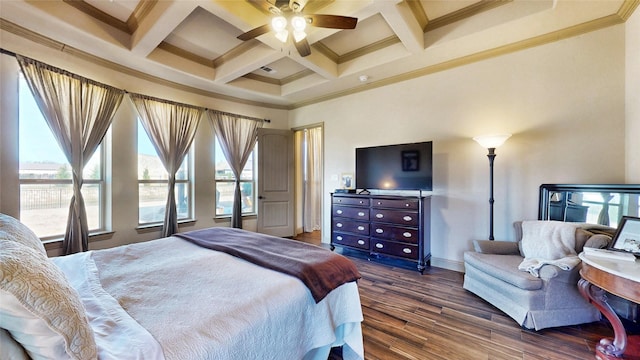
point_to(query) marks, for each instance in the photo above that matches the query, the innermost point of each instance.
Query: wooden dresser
(383, 226)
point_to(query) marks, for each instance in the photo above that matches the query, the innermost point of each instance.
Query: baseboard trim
(447, 264)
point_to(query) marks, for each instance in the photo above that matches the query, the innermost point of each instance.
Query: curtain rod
(7, 52)
(11, 53)
(238, 115)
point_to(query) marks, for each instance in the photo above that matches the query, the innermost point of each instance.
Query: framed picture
(627, 237)
(347, 181)
(410, 160)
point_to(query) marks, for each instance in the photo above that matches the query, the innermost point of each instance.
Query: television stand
(383, 226)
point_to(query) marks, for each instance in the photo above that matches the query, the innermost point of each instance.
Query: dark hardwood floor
(430, 316)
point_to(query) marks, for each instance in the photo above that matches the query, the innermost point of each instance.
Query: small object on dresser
(345, 191)
(609, 254)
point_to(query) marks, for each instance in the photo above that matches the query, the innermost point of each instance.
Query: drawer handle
(379, 216)
(361, 242)
(379, 202)
(361, 202)
(338, 211)
(406, 251)
(379, 231)
(406, 234)
(407, 218)
(379, 246)
(338, 224)
(407, 205)
(338, 237)
(339, 200)
(360, 227)
(360, 213)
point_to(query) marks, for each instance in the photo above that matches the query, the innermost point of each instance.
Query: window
(46, 187)
(153, 180)
(225, 182)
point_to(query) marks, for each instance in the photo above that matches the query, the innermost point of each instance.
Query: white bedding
(202, 304)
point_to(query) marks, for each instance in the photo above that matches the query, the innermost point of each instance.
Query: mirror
(602, 204)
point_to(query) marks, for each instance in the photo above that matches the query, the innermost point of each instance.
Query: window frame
(253, 181)
(102, 192)
(189, 181)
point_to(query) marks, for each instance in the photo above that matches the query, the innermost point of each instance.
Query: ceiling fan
(288, 17)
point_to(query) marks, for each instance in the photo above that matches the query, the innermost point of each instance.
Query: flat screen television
(395, 167)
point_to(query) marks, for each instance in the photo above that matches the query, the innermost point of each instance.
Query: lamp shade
(492, 141)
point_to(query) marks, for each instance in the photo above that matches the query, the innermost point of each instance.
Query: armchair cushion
(502, 267)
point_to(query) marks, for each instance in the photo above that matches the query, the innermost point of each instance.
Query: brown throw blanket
(319, 269)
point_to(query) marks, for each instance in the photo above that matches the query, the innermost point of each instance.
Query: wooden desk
(618, 277)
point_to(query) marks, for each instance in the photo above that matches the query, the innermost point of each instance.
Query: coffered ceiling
(194, 44)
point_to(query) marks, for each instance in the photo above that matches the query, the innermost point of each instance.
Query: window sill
(221, 218)
(54, 244)
(145, 229)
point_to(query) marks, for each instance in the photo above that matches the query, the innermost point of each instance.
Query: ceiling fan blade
(332, 21)
(254, 33)
(303, 47)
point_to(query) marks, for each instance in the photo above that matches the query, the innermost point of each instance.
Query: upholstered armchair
(535, 302)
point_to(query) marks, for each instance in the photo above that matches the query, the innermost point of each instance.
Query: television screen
(395, 167)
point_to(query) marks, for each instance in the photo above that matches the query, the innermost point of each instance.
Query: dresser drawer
(351, 212)
(410, 204)
(361, 242)
(396, 249)
(407, 218)
(396, 233)
(360, 201)
(350, 226)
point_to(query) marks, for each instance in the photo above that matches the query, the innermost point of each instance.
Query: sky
(36, 142)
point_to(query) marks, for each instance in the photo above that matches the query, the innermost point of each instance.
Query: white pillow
(39, 307)
(9, 348)
(13, 229)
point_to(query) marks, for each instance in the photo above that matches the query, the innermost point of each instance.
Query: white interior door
(275, 182)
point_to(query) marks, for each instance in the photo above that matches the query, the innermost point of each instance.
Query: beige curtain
(237, 136)
(171, 128)
(79, 112)
(313, 180)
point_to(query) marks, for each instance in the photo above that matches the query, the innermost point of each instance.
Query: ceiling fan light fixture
(279, 23)
(282, 35)
(298, 23)
(299, 35)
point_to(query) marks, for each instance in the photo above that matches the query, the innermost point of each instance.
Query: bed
(170, 299)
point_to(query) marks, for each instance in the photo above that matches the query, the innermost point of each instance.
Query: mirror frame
(546, 189)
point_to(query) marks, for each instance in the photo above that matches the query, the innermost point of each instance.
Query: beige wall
(563, 103)
(632, 48)
(123, 180)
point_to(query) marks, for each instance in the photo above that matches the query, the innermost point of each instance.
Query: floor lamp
(491, 142)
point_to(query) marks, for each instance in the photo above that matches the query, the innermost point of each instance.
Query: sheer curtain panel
(79, 112)
(171, 127)
(313, 184)
(237, 137)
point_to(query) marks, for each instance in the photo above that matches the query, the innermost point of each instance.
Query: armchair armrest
(548, 272)
(496, 247)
